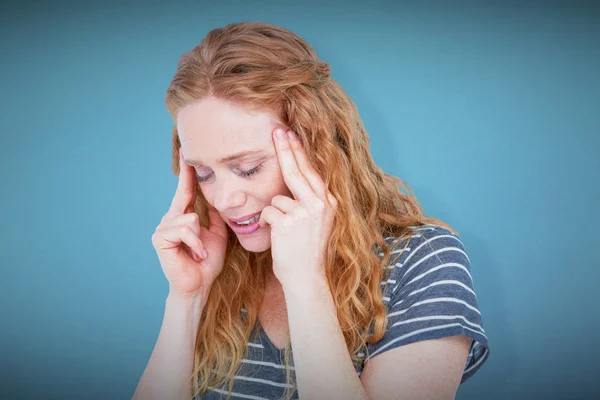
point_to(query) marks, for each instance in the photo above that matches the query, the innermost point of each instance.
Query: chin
(256, 243)
(255, 246)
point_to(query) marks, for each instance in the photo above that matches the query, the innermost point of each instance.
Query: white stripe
(433, 328)
(447, 265)
(432, 226)
(436, 300)
(396, 239)
(428, 241)
(266, 382)
(407, 249)
(431, 255)
(397, 251)
(481, 359)
(432, 317)
(400, 250)
(394, 265)
(268, 364)
(234, 394)
(416, 250)
(260, 346)
(388, 281)
(470, 356)
(424, 225)
(446, 282)
(428, 256)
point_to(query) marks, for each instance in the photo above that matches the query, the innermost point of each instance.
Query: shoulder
(427, 246)
(430, 293)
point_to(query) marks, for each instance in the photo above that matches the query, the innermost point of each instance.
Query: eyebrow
(231, 157)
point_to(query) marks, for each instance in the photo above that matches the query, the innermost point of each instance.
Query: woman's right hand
(187, 272)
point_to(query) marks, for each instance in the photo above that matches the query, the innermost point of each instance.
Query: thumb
(217, 225)
(269, 216)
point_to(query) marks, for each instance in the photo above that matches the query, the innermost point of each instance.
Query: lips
(244, 218)
(245, 229)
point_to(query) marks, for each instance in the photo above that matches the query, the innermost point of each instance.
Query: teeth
(249, 221)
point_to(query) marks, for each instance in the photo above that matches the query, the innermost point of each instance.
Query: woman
(297, 241)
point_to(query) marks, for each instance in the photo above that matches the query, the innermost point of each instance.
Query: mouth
(248, 225)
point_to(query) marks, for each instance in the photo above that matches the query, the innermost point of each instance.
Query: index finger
(185, 195)
(292, 176)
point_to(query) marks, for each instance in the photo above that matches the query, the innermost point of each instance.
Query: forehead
(213, 127)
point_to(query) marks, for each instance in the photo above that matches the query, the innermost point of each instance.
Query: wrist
(184, 310)
(184, 304)
(182, 298)
(305, 285)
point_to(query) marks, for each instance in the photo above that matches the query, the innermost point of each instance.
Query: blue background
(489, 111)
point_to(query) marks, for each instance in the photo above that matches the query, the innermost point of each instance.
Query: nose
(227, 195)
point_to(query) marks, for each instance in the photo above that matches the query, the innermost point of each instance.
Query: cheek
(207, 193)
(279, 184)
(279, 187)
(271, 184)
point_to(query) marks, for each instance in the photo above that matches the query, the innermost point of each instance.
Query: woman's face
(210, 132)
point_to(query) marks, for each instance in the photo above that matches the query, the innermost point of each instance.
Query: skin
(212, 129)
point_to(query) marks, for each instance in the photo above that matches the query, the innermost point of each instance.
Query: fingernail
(204, 253)
(279, 134)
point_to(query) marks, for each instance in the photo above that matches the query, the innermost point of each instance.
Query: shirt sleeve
(430, 295)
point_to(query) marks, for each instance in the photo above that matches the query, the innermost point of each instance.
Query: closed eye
(251, 171)
(242, 173)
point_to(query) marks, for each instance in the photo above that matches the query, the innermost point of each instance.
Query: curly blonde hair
(266, 67)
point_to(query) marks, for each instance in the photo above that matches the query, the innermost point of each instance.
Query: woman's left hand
(300, 227)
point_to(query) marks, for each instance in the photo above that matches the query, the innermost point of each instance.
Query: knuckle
(165, 218)
(276, 199)
(288, 223)
(266, 212)
(332, 200)
(291, 174)
(193, 217)
(303, 213)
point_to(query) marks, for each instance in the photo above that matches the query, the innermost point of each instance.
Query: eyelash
(243, 173)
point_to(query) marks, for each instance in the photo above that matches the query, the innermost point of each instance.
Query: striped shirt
(429, 295)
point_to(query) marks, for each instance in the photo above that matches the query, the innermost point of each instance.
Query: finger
(332, 200)
(311, 176)
(289, 168)
(270, 215)
(173, 237)
(191, 219)
(185, 195)
(217, 225)
(284, 203)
